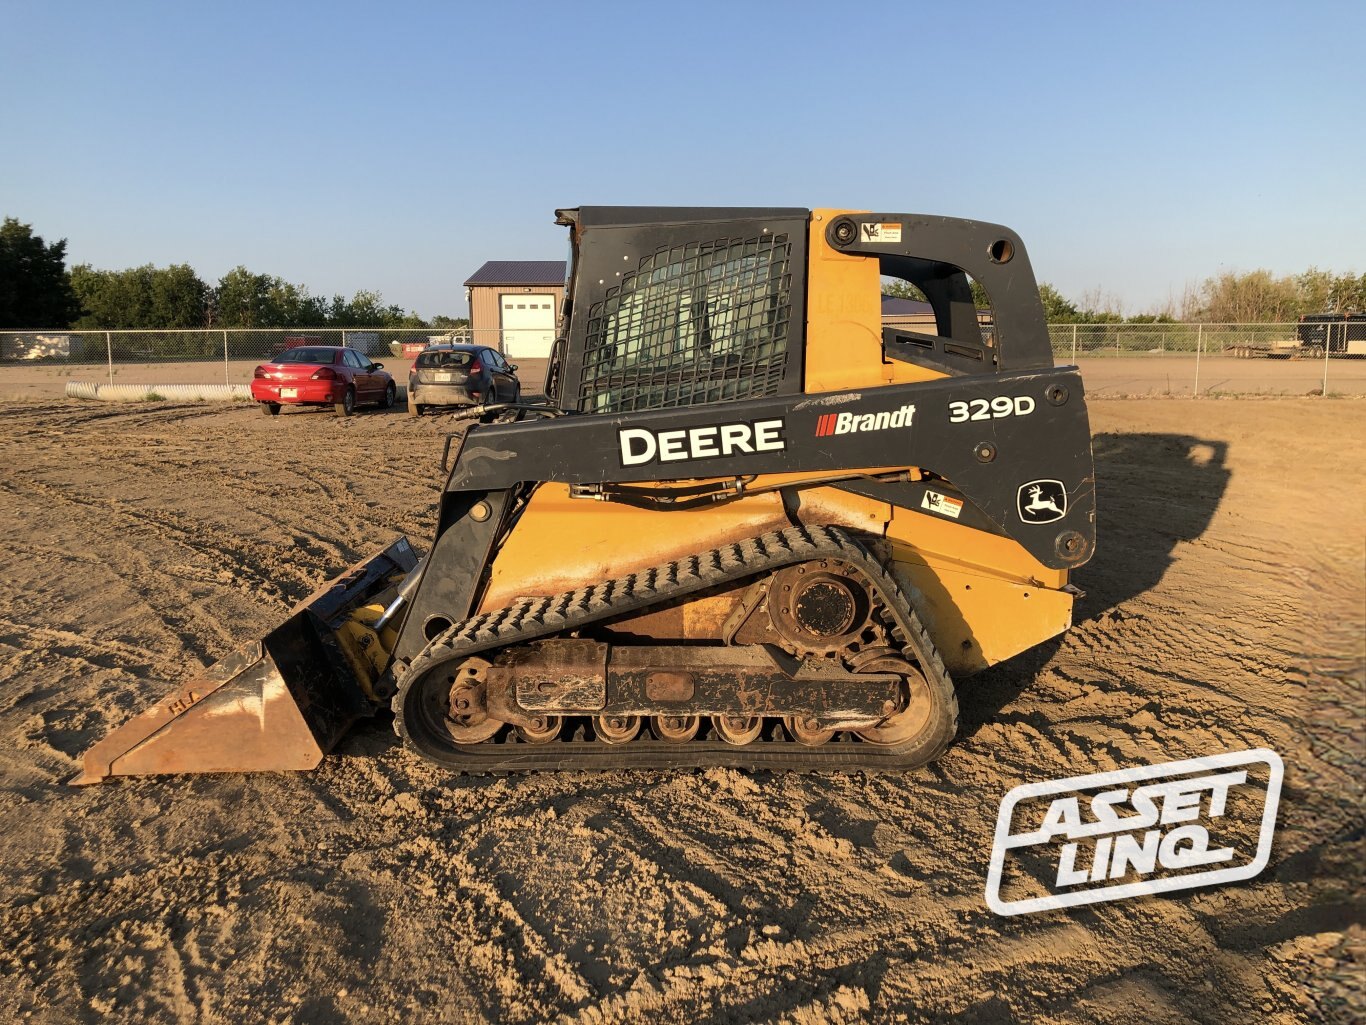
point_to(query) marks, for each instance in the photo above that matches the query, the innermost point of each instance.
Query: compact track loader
(751, 525)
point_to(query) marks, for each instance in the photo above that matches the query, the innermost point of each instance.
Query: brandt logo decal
(853, 423)
(1149, 829)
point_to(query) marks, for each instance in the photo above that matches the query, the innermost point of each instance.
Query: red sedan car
(321, 375)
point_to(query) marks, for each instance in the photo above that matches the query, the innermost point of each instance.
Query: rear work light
(324, 374)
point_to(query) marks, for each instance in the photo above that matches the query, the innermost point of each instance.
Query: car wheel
(270, 408)
(347, 405)
(389, 394)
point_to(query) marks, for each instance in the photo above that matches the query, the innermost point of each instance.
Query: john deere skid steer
(750, 526)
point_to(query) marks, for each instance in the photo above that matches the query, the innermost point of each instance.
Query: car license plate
(289, 393)
(445, 377)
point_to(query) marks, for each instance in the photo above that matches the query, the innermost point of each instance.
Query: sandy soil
(1224, 611)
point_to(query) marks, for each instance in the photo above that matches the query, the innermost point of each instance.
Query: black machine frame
(988, 460)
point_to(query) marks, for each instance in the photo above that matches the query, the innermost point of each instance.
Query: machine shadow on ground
(1153, 492)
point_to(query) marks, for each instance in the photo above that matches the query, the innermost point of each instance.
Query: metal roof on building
(519, 272)
(894, 306)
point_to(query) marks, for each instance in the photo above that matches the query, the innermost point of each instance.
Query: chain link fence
(1202, 359)
(1082, 340)
(206, 356)
(217, 355)
(1138, 359)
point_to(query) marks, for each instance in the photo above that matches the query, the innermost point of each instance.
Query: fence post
(1117, 334)
(109, 352)
(227, 375)
(1327, 347)
(1074, 344)
(1199, 346)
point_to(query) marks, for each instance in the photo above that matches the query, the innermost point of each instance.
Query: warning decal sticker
(945, 505)
(882, 232)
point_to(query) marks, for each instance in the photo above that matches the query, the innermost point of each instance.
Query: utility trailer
(1337, 334)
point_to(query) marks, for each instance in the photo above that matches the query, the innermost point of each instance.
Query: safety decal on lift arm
(885, 232)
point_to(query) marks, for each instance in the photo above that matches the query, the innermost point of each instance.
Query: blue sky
(1135, 147)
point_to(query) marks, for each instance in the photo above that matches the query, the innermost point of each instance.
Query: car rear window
(303, 354)
(444, 358)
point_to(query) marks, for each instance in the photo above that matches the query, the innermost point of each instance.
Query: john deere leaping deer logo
(1042, 501)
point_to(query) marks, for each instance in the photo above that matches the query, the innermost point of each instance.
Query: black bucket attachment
(278, 703)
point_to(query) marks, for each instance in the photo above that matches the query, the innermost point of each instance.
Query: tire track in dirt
(379, 887)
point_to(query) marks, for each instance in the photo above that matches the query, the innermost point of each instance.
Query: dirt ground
(1224, 611)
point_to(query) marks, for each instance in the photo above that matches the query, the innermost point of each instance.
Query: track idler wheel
(467, 718)
(904, 725)
(616, 729)
(675, 729)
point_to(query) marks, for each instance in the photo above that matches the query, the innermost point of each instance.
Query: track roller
(676, 729)
(540, 729)
(616, 729)
(737, 729)
(806, 731)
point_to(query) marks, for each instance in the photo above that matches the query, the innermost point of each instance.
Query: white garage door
(528, 323)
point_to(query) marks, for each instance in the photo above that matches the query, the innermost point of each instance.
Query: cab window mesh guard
(694, 323)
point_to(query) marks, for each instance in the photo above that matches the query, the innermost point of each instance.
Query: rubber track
(535, 618)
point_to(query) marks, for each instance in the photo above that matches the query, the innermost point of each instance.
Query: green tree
(143, 298)
(288, 305)
(905, 290)
(179, 298)
(242, 299)
(1347, 294)
(1057, 309)
(1250, 297)
(367, 309)
(35, 289)
(447, 323)
(112, 299)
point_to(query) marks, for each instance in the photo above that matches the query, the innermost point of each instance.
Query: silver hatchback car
(460, 375)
